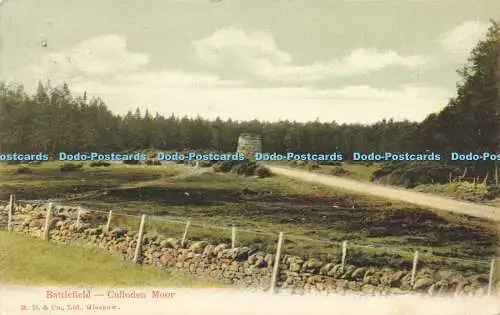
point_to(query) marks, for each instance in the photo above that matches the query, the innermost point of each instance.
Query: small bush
(312, 166)
(14, 162)
(246, 168)
(153, 162)
(131, 162)
(23, 170)
(262, 172)
(70, 167)
(100, 163)
(340, 171)
(300, 163)
(412, 174)
(251, 168)
(225, 166)
(206, 163)
(239, 169)
(331, 163)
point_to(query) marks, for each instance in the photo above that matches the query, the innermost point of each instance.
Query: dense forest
(52, 119)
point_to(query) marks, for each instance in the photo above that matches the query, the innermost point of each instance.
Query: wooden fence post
(344, 254)
(276, 263)
(108, 224)
(48, 218)
(491, 277)
(414, 268)
(139, 238)
(185, 232)
(233, 237)
(496, 174)
(78, 215)
(12, 200)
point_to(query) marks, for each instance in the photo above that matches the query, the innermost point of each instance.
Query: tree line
(53, 119)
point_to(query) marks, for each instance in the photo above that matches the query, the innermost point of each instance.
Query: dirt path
(417, 198)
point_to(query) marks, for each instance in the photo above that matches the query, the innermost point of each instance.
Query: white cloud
(96, 57)
(115, 74)
(174, 78)
(463, 38)
(348, 104)
(258, 54)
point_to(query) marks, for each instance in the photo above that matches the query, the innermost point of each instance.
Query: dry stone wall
(241, 267)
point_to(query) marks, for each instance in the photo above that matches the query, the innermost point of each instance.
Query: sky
(349, 61)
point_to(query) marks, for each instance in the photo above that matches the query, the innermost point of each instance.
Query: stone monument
(249, 144)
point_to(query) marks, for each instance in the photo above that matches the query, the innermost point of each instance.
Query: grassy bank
(25, 260)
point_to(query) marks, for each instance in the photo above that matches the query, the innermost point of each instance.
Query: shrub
(246, 168)
(262, 171)
(312, 166)
(251, 168)
(300, 163)
(131, 162)
(239, 169)
(412, 174)
(340, 171)
(100, 163)
(225, 166)
(70, 167)
(14, 162)
(23, 170)
(206, 163)
(331, 163)
(153, 162)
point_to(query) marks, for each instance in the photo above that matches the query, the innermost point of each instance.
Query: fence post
(491, 277)
(108, 224)
(414, 268)
(185, 232)
(344, 254)
(139, 238)
(12, 200)
(496, 174)
(233, 237)
(48, 218)
(276, 263)
(78, 214)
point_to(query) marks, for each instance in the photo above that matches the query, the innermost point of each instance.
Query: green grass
(466, 190)
(267, 206)
(25, 260)
(46, 181)
(363, 172)
(356, 171)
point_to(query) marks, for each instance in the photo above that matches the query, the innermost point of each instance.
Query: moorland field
(314, 218)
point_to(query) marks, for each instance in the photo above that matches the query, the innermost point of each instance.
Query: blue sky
(343, 60)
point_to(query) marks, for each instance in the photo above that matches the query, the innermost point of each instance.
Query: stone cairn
(249, 144)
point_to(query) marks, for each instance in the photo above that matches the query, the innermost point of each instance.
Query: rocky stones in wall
(241, 267)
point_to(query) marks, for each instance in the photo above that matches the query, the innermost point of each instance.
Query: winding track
(413, 197)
